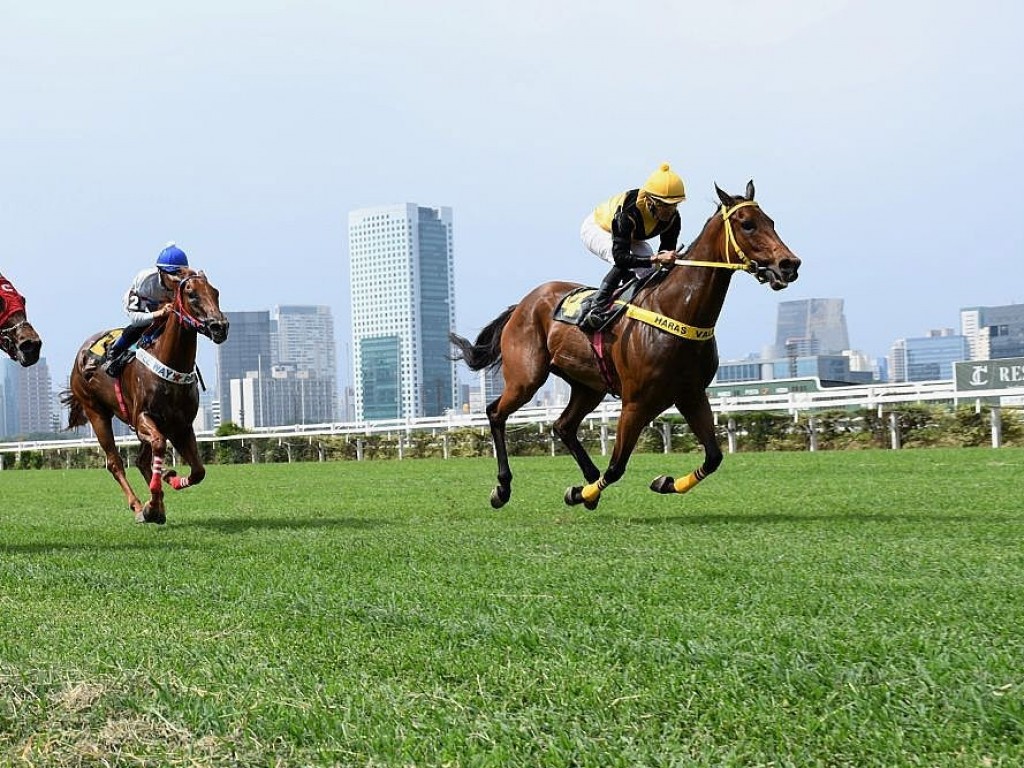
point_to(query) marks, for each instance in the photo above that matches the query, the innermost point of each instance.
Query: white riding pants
(599, 242)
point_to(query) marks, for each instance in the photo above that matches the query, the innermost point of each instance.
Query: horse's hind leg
(189, 450)
(582, 401)
(512, 399)
(697, 412)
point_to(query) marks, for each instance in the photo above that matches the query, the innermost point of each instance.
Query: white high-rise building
(403, 308)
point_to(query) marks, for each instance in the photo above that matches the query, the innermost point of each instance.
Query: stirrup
(594, 320)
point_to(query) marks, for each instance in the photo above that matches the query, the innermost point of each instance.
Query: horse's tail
(76, 414)
(485, 352)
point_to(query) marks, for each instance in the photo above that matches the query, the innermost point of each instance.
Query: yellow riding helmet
(665, 185)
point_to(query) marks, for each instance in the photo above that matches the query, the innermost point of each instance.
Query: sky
(884, 139)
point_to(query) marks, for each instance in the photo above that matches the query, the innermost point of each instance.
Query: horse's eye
(748, 225)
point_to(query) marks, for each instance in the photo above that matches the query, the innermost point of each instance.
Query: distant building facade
(403, 308)
(994, 332)
(279, 368)
(247, 348)
(807, 327)
(928, 358)
(26, 400)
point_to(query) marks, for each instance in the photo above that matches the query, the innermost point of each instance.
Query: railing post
(604, 439)
(444, 444)
(730, 428)
(666, 436)
(997, 426)
(359, 449)
(894, 430)
(812, 427)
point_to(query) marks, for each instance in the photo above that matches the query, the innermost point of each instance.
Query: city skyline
(879, 135)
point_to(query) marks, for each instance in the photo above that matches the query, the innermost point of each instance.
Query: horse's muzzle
(217, 330)
(28, 352)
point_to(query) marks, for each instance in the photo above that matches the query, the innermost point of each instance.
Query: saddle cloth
(99, 347)
(569, 309)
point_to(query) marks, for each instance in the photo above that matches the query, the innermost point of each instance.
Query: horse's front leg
(697, 412)
(582, 401)
(631, 424)
(153, 511)
(189, 450)
(105, 436)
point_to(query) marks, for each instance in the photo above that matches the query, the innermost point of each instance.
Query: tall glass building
(403, 308)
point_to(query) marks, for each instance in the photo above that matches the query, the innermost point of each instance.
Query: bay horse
(18, 339)
(157, 394)
(662, 353)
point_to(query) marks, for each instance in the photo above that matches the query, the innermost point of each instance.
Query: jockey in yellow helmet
(617, 231)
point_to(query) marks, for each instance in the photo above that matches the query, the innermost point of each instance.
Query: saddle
(570, 308)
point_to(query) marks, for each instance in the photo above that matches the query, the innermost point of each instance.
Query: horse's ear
(725, 198)
(750, 190)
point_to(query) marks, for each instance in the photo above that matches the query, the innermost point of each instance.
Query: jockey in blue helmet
(147, 300)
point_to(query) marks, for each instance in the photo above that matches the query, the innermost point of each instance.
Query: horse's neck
(695, 295)
(176, 347)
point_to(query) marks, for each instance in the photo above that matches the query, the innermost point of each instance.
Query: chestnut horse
(18, 339)
(157, 394)
(662, 353)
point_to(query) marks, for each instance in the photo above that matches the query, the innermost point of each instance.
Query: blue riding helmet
(171, 259)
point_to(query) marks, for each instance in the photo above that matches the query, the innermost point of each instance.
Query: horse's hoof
(500, 496)
(663, 484)
(140, 514)
(150, 515)
(574, 497)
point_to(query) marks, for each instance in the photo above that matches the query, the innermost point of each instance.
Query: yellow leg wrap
(591, 491)
(683, 484)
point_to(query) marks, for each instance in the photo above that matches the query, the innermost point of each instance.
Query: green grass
(859, 608)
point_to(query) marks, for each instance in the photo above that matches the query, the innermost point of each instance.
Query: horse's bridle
(7, 338)
(744, 263)
(181, 311)
(7, 341)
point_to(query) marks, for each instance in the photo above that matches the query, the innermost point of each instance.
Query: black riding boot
(598, 308)
(118, 353)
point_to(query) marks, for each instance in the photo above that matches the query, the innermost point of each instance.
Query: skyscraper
(811, 327)
(403, 308)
